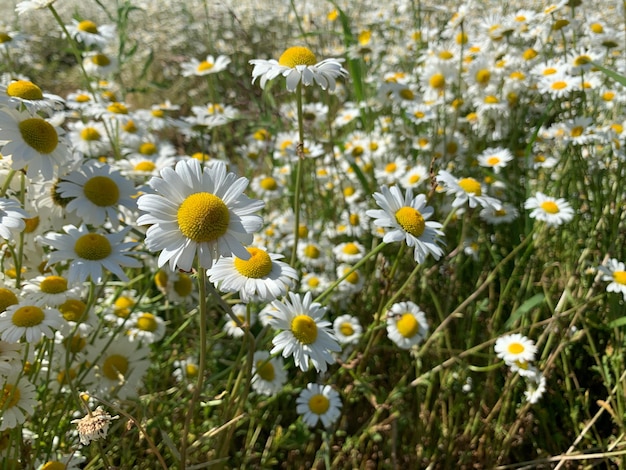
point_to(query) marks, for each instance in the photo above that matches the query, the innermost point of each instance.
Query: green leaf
(611, 73)
(526, 307)
(618, 322)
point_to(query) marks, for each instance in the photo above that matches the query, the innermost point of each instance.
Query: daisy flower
(319, 403)
(186, 371)
(261, 277)
(406, 324)
(535, 388)
(71, 461)
(495, 158)
(97, 192)
(550, 210)
(347, 329)
(414, 176)
(90, 34)
(507, 213)
(515, 348)
(28, 320)
(406, 217)
(198, 212)
(26, 6)
(352, 284)
(466, 190)
(232, 328)
(615, 272)
(349, 252)
(10, 358)
(24, 93)
(205, 67)
(99, 64)
(89, 253)
(299, 65)
(51, 290)
(32, 143)
(305, 335)
(315, 283)
(11, 218)
(268, 375)
(145, 327)
(19, 399)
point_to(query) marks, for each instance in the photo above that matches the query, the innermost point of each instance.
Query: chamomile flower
(349, 252)
(10, 358)
(71, 461)
(550, 210)
(414, 177)
(24, 93)
(29, 320)
(614, 271)
(319, 403)
(312, 254)
(268, 375)
(246, 320)
(90, 34)
(50, 290)
(535, 388)
(91, 253)
(305, 334)
(315, 283)
(11, 218)
(507, 213)
(495, 158)
(26, 6)
(260, 277)
(186, 371)
(406, 218)
(466, 190)
(515, 348)
(207, 66)
(100, 64)
(406, 324)
(198, 212)
(299, 65)
(353, 283)
(347, 329)
(145, 327)
(97, 193)
(33, 143)
(19, 400)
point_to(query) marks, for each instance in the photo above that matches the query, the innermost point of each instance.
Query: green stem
(298, 188)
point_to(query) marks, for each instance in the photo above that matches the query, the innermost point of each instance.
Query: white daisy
(26, 6)
(51, 290)
(614, 271)
(205, 67)
(507, 213)
(89, 253)
(305, 335)
(268, 375)
(352, 284)
(535, 388)
(90, 34)
(495, 158)
(414, 176)
(407, 218)
(30, 321)
(199, 212)
(515, 348)
(145, 327)
(10, 358)
(232, 328)
(319, 403)
(466, 190)
(19, 399)
(347, 328)
(24, 93)
(11, 218)
(406, 324)
(100, 64)
(550, 210)
(97, 192)
(316, 283)
(261, 277)
(349, 252)
(299, 65)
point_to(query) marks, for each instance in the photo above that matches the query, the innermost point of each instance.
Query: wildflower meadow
(312, 234)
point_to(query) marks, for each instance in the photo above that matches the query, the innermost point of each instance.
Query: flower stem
(297, 189)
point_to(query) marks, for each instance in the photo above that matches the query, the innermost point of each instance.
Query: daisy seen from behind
(406, 324)
(319, 403)
(406, 218)
(91, 253)
(614, 271)
(304, 334)
(299, 65)
(198, 212)
(548, 209)
(11, 218)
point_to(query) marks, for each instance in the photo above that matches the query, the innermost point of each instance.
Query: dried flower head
(94, 426)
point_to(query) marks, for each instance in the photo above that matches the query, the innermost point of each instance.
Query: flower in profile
(268, 375)
(305, 335)
(91, 34)
(535, 387)
(260, 277)
(26, 6)
(205, 67)
(94, 425)
(89, 253)
(347, 329)
(406, 217)
(299, 65)
(11, 218)
(507, 213)
(515, 349)
(28, 320)
(319, 403)
(10, 358)
(198, 212)
(466, 190)
(24, 93)
(406, 324)
(614, 271)
(18, 398)
(550, 210)
(51, 290)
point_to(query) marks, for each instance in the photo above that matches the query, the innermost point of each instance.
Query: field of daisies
(330, 234)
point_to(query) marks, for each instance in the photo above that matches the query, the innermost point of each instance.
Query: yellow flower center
(183, 285)
(83, 98)
(117, 108)
(550, 207)
(203, 217)
(529, 54)
(269, 184)
(265, 370)
(258, 266)
(90, 134)
(620, 277)
(130, 127)
(346, 329)
(191, 370)
(7, 298)
(597, 28)
(516, 348)
(491, 99)
(145, 166)
(160, 279)
(28, 316)
(158, 113)
(414, 179)
(408, 326)
(39, 134)
(4, 38)
(411, 221)
(407, 94)
(577, 131)
(349, 191)
(147, 322)
(365, 37)
(93, 247)
(437, 81)
(88, 27)
(101, 60)
(25, 90)
(53, 285)
(202, 157)
(445, 55)
(354, 219)
(391, 167)
(303, 231)
(493, 161)
(297, 56)
(353, 278)
(114, 366)
(10, 397)
(483, 76)
(560, 85)
(313, 282)
(351, 249)
(73, 309)
(582, 60)
(75, 344)
(319, 404)
(102, 191)
(304, 329)
(147, 148)
(204, 65)
(310, 251)
(470, 186)
(63, 378)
